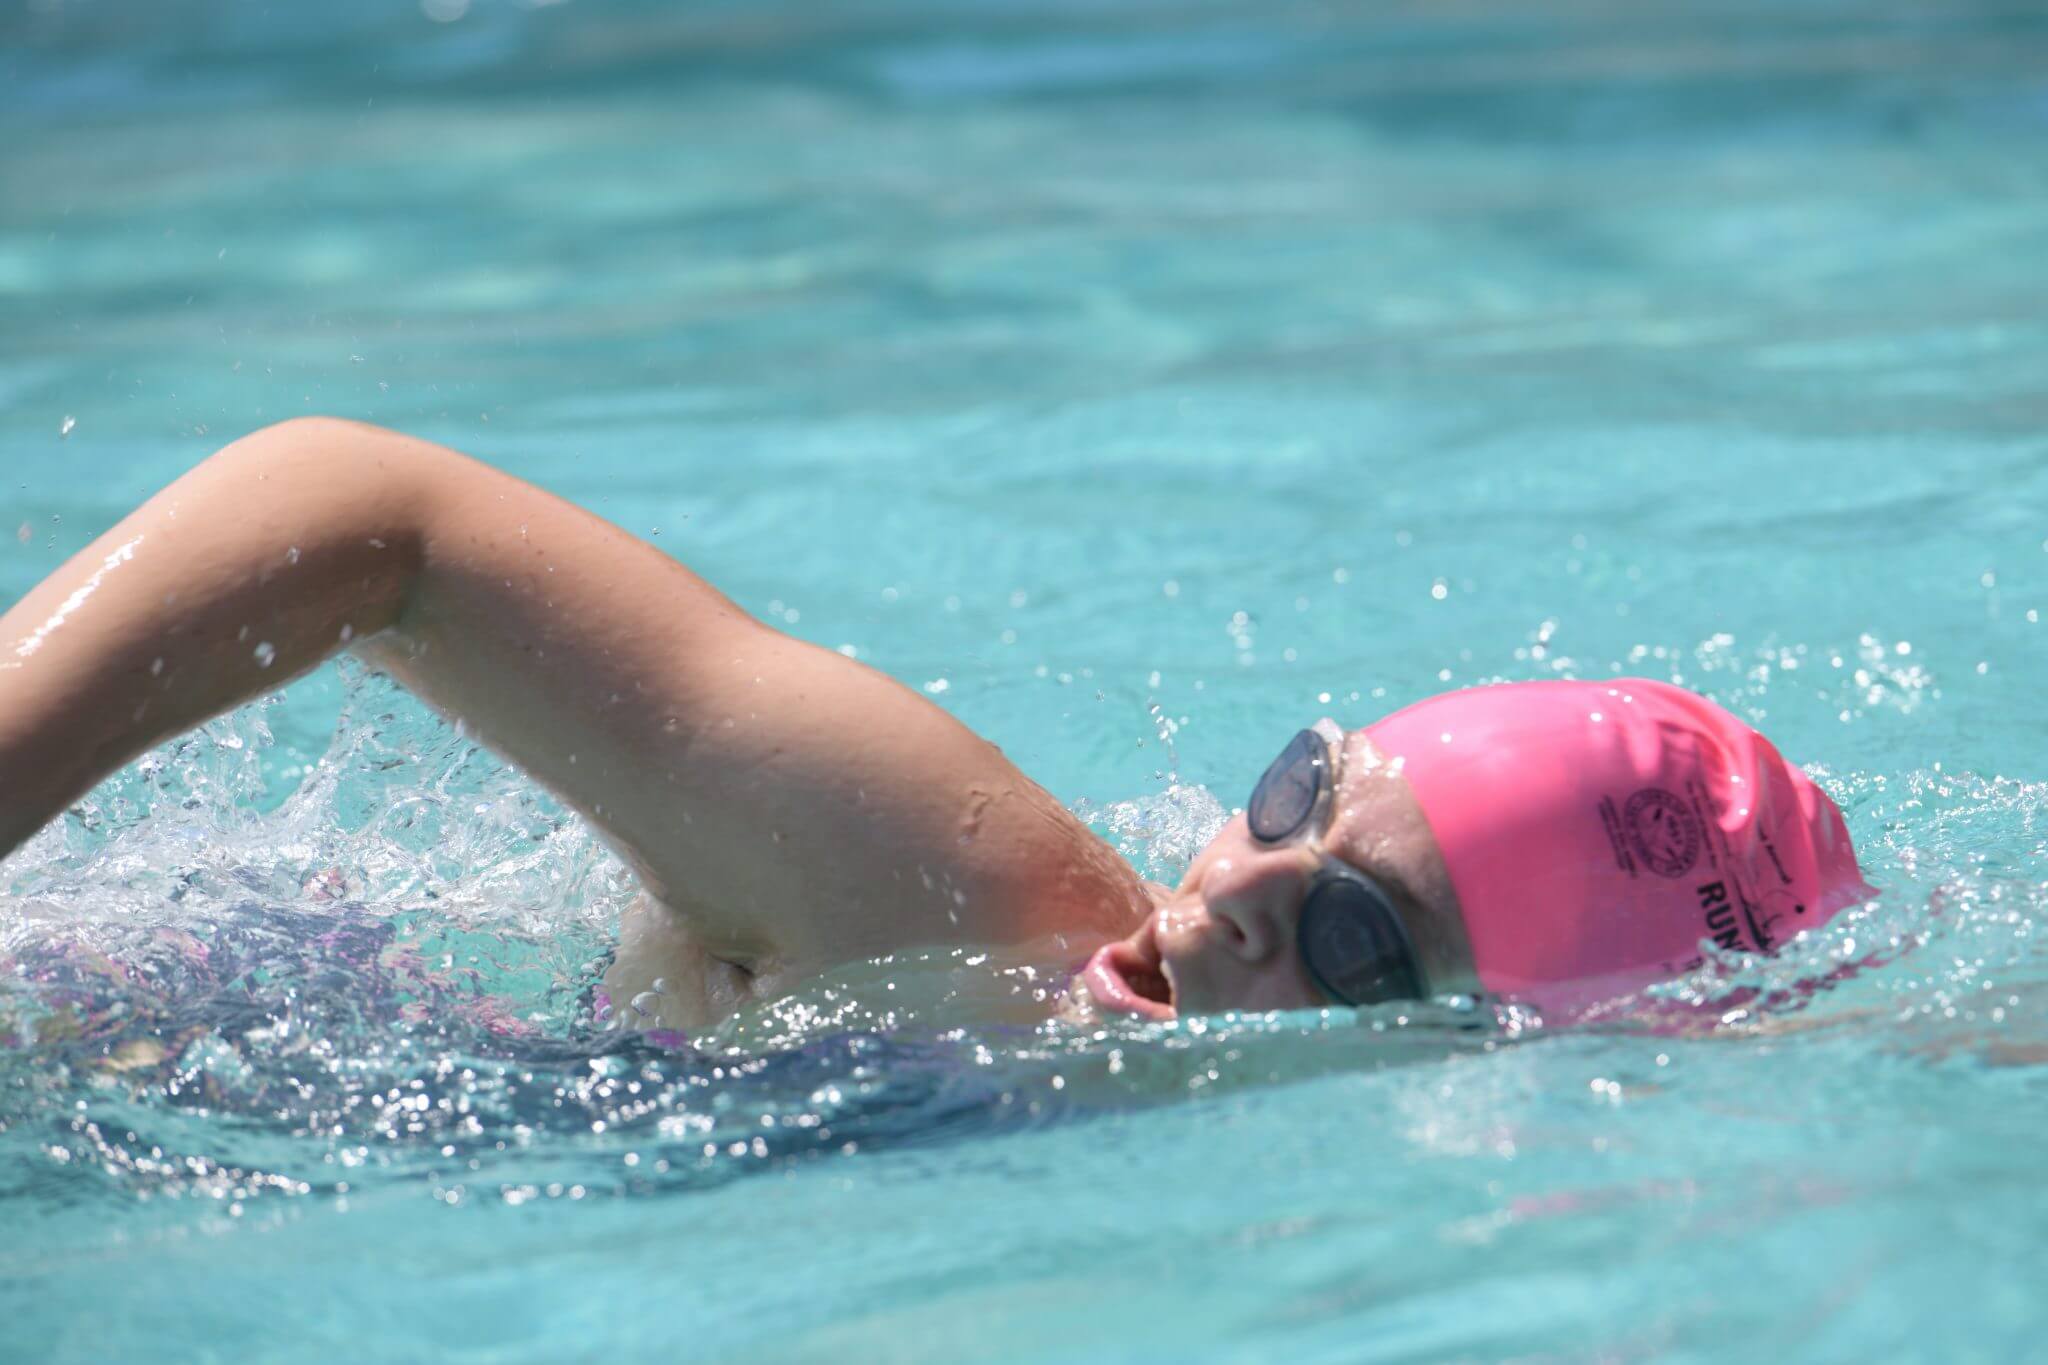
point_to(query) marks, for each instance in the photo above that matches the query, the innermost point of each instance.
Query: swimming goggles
(1349, 935)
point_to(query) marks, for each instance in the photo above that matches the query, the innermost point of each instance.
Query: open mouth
(1126, 977)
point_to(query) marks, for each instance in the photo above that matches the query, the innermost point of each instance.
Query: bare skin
(785, 808)
(1224, 939)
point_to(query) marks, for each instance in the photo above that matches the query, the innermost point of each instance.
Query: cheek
(1284, 985)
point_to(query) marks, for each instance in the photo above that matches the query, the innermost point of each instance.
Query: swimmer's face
(1225, 938)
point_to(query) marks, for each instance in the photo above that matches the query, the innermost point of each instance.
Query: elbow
(348, 467)
(311, 433)
(350, 501)
(300, 447)
(310, 426)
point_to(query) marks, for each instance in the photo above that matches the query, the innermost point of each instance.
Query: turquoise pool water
(1141, 381)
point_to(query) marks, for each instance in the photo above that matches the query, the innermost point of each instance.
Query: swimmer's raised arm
(795, 807)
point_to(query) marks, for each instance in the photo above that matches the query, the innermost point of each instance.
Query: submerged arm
(794, 805)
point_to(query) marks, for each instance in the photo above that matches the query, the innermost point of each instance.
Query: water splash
(1159, 834)
(400, 810)
(384, 979)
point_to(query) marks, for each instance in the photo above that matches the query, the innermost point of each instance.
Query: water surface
(1141, 383)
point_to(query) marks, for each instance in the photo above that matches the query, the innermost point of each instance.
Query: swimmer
(787, 809)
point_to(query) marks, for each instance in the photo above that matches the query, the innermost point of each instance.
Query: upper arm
(797, 806)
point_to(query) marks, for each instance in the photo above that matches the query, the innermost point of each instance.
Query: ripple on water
(383, 983)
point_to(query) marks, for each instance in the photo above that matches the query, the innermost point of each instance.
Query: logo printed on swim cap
(1663, 831)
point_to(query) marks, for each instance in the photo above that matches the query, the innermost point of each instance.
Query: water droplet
(266, 654)
(347, 633)
(64, 430)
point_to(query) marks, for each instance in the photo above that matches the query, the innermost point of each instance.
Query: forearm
(253, 567)
(552, 634)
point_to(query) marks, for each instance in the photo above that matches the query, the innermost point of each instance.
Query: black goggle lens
(1351, 941)
(1286, 795)
(1349, 936)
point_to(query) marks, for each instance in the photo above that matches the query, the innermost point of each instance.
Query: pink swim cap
(1597, 832)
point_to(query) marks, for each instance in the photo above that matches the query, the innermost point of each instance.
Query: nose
(1250, 893)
